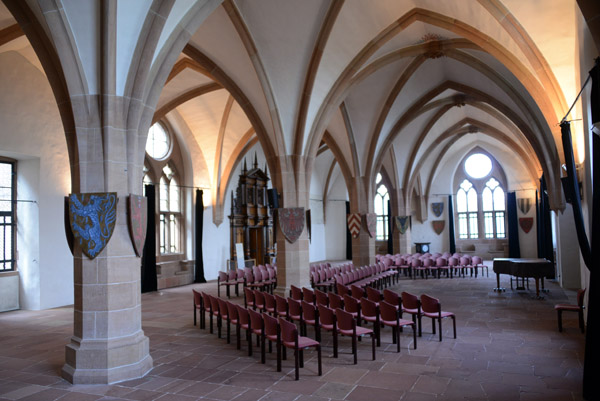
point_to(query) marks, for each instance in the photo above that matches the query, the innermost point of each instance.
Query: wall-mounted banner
(353, 224)
(93, 217)
(526, 223)
(437, 208)
(438, 226)
(371, 222)
(291, 222)
(137, 220)
(68, 231)
(524, 205)
(402, 223)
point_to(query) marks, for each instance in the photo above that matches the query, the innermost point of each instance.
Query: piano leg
(498, 288)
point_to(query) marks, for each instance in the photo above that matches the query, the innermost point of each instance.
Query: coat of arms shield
(92, 217)
(438, 226)
(437, 208)
(524, 204)
(371, 221)
(354, 224)
(137, 213)
(526, 223)
(291, 222)
(402, 223)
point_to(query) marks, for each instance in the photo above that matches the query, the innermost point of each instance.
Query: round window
(478, 165)
(157, 144)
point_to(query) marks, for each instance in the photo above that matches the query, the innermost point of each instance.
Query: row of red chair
(426, 264)
(263, 277)
(377, 275)
(265, 326)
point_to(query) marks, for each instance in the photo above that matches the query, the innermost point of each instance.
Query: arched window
(466, 206)
(170, 212)
(380, 205)
(493, 201)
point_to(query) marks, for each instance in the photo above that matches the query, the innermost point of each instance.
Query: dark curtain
(545, 249)
(591, 347)
(199, 268)
(348, 236)
(514, 250)
(308, 224)
(390, 241)
(451, 239)
(149, 280)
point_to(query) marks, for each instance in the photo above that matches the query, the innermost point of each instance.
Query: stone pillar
(361, 201)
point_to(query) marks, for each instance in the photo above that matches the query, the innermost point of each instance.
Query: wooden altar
(251, 219)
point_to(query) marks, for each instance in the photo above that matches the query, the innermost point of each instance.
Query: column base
(107, 361)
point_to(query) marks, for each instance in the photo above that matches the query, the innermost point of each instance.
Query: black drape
(514, 250)
(348, 236)
(149, 280)
(545, 248)
(451, 239)
(591, 344)
(390, 241)
(308, 224)
(199, 268)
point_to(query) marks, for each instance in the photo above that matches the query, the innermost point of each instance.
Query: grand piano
(523, 268)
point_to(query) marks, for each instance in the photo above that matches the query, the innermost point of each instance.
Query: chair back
(391, 297)
(416, 262)
(335, 301)
(294, 307)
(289, 332)
(357, 292)
(452, 261)
(231, 311)
(465, 261)
(309, 311)
(430, 304)
(341, 288)
(270, 302)
(206, 301)
(271, 325)
(326, 315)
(256, 320)
(232, 275)
(410, 301)
(321, 298)
(373, 294)
(197, 298)
(281, 305)
(368, 308)
(441, 262)
(388, 311)
(223, 277)
(243, 315)
(295, 293)
(259, 299)
(308, 295)
(351, 304)
(249, 295)
(223, 308)
(214, 304)
(345, 320)
(477, 260)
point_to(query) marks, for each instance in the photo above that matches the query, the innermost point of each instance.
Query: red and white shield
(354, 224)
(291, 222)
(137, 210)
(371, 222)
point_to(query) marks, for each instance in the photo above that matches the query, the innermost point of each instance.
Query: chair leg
(238, 331)
(454, 325)
(319, 359)
(396, 332)
(581, 322)
(301, 352)
(262, 350)
(335, 344)
(249, 338)
(278, 355)
(373, 345)
(559, 313)
(440, 324)
(414, 337)
(354, 346)
(296, 362)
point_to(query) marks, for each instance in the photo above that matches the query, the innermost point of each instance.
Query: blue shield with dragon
(92, 217)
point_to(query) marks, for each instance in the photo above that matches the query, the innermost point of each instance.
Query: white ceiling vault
(366, 85)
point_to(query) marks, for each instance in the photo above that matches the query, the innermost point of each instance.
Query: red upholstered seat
(572, 308)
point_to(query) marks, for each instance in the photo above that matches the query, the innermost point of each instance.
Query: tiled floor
(508, 348)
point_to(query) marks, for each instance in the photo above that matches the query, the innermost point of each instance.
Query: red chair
(198, 307)
(244, 323)
(328, 322)
(357, 292)
(352, 305)
(374, 295)
(390, 316)
(442, 265)
(560, 308)
(281, 307)
(270, 304)
(370, 313)
(341, 288)
(433, 309)
(259, 300)
(206, 308)
(272, 333)
(310, 315)
(393, 298)
(476, 261)
(346, 326)
(295, 293)
(291, 339)
(224, 315)
(295, 314)
(453, 265)
(216, 312)
(308, 295)
(224, 280)
(233, 318)
(249, 301)
(412, 305)
(321, 298)
(335, 301)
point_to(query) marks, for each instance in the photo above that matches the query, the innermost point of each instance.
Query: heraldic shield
(93, 217)
(438, 226)
(437, 208)
(291, 222)
(371, 220)
(137, 220)
(402, 223)
(526, 224)
(354, 224)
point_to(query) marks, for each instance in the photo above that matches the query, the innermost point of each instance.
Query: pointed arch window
(466, 207)
(380, 204)
(170, 212)
(494, 206)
